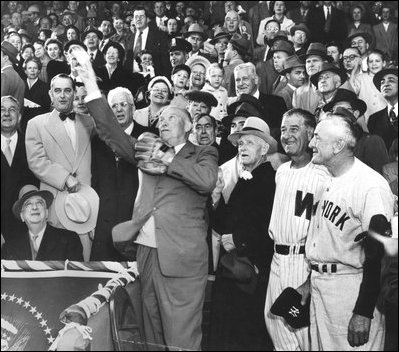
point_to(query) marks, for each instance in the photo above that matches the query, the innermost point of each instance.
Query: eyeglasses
(37, 204)
(10, 110)
(200, 73)
(123, 104)
(139, 17)
(350, 57)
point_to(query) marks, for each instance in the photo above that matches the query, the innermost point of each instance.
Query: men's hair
(246, 66)
(140, 8)
(119, 91)
(353, 48)
(353, 131)
(62, 75)
(35, 60)
(213, 120)
(211, 67)
(10, 97)
(337, 45)
(309, 119)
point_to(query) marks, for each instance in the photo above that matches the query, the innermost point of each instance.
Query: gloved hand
(146, 144)
(152, 167)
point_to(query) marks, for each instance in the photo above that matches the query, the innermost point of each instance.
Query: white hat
(160, 79)
(78, 211)
(256, 127)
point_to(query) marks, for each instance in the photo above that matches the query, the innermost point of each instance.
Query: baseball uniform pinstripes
(297, 190)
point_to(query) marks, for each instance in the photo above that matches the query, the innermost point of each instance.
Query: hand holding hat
(82, 66)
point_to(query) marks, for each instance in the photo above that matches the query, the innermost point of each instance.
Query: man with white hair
(344, 281)
(114, 179)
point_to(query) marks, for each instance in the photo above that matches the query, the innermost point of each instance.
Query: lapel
(19, 153)
(187, 151)
(82, 138)
(47, 245)
(57, 130)
(25, 248)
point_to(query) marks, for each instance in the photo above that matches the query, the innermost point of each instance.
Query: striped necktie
(8, 152)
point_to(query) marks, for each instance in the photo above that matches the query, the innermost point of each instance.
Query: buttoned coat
(176, 200)
(387, 41)
(51, 156)
(12, 84)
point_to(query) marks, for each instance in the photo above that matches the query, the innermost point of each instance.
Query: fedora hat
(198, 60)
(78, 211)
(240, 43)
(291, 62)
(349, 96)
(92, 30)
(10, 50)
(380, 75)
(220, 33)
(280, 35)
(200, 96)
(195, 28)
(179, 44)
(300, 27)
(287, 47)
(318, 49)
(288, 305)
(246, 106)
(327, 66)
(257, 127)
(27, 192)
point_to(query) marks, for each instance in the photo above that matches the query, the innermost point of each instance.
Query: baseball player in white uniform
(343, 292)
(299, 183)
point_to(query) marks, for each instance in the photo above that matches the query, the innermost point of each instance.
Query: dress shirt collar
(13, 143)
(256, 94)
(129, 129)
(39, 237)
(179, 147)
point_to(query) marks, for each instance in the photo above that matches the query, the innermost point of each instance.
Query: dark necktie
(137, 47)
(64, 115)
(327, 25)
(92, 57)
(393, 118)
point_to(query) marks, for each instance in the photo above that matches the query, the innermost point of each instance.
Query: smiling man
(58, 147)
(298, 186)
(39, 240)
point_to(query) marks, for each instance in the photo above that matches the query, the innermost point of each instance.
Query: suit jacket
(296, 15)
(157, 44)
(256, 14)
(316, 21)
(116, 182)
(176, 200)
(120, 78)
(379, 124)
(286, 93)
(267, 75)
(57, 244)
(247, 215)
(98, 60)
(306, 97)
(363, 27)
(387, 41)
(38, 93)
(51, 156)
(12, 84)
(13, 178)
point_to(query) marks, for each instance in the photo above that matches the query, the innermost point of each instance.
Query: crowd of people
(256, 142)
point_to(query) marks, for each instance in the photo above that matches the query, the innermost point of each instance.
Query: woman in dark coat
(113, 75)
(237, 321)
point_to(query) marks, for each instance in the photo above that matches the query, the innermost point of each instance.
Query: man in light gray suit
(58, 148)
(168, 225)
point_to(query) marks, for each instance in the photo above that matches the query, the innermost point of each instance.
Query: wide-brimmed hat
(349, 96)
(367, 37)
(287, 47)
(291, 62)
(246, 106)
(69, 13)
(280, 35)
(27, 192)
(327, 66)
(198, 60)
(160, 79)
(195, 28)
(220, 33)
(179, 44)
(240, 43)
(201, 96)
(255, 126)
(300, 27)
(92, 30)
(380, 75)
(318, 49)
(10, 50)
(78, 211)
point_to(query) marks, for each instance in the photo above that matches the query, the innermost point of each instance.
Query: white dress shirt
(71, 131)
(325, 8)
